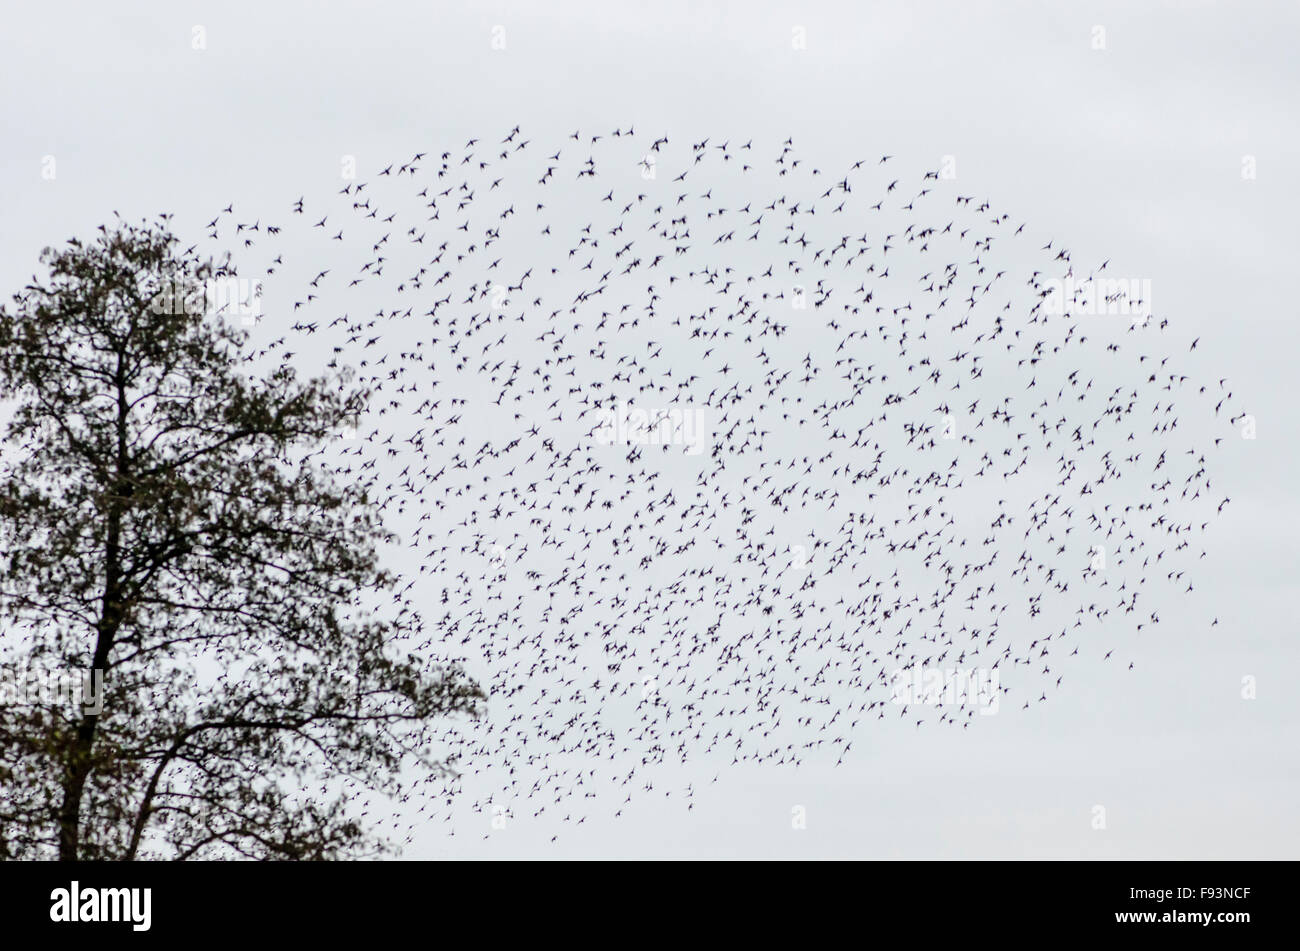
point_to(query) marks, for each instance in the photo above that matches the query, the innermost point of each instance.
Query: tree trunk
(110, 619)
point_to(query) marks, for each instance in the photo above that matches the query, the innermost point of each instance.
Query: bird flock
(693, 446)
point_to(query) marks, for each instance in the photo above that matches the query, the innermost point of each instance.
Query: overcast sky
(1133, 152)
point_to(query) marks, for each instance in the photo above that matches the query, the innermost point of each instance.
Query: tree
(166, 521)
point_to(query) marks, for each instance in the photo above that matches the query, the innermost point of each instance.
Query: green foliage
(162, 520)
